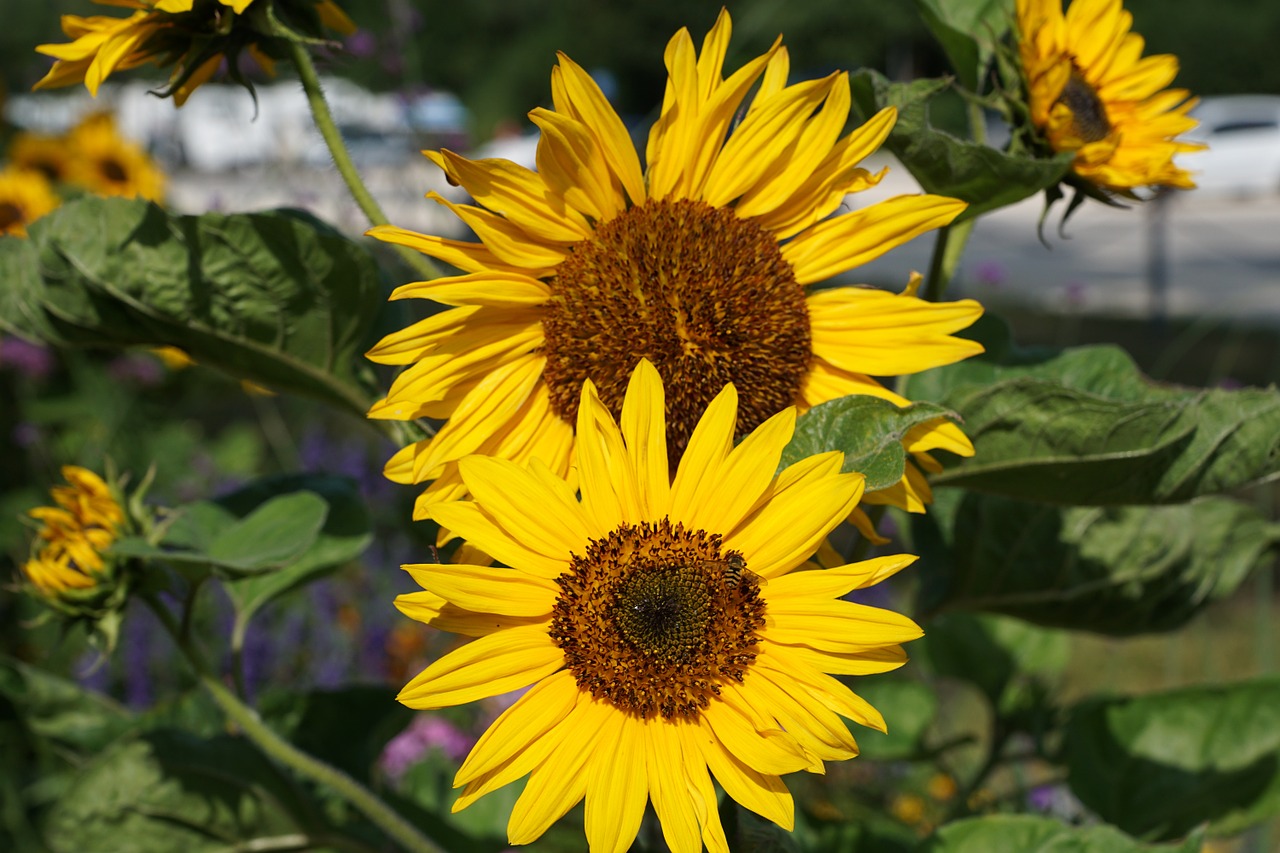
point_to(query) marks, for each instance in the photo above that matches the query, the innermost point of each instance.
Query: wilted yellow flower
(106, 163)
(662, 623)
(702, 264)
(25, 196)
(1093, 93)
(191, 36)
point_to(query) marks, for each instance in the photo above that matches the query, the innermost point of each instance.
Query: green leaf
(274, 534)
(909, 706)
(968, 31)
(867, 430)
(167, 790)
(1084, 427)
(1161, 764)
(943, 164)
(1031, 834)
(1007, 659)
(61, 710)
(22, 293)
(278, 297)
(1113, 570)
(344, 536)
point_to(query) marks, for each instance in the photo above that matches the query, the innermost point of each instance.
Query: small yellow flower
(702, 263)
(1093, 93)
(25, 196)
(106, 163)
(86, 520)
(941, 787)
(48, 155)
(667, 627)
(908, 808)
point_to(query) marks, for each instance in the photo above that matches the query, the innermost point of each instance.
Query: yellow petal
(664, 767)
(520, 503)
(485, 589)
(489, 289)
(583, 100)
(557, 784)
(711, 441)
(530, 718)
(488, 666)
(430, 609)
(837, 626)
(837, 582)
(509, 243)
(617, 787)
(644, 429)
(764, 794)
(470, 522)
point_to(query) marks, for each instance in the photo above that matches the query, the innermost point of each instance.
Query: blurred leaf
(344, 536)
(1002, 657)
(278, 298)
(347, 727)
(746, 830)
(21, 296)
(1083, 426)
(1031, 834)
(943, 164)
(427, 786)
(909, 706)
(1114, 570)
(61, 710)
(1161, 764)
(968, 31)
(167, 790)
(867, 430)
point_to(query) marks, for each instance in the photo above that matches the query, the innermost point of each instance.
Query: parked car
(1243, 135)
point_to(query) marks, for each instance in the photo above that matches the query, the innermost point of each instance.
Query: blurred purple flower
(1076, 293)
(139, 639)
(362, 44)
(991, 273)
(424, 734)
(1228, 383)
(35, 361)
(26, 434)
(141, 369)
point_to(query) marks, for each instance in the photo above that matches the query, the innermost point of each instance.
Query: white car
(1243, 135)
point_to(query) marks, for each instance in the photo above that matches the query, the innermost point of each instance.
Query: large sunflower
(106, 163)
(1092, 92)
(25, 196)
(700, 264)
(658, 621)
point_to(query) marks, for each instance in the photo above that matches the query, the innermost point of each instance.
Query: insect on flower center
(1089, 114)
(654, 618)
(705, 296)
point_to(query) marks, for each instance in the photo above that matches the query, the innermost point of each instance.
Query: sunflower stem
(948, 248)
(308, 766)
(328, 128)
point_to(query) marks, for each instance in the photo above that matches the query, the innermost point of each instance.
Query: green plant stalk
(360, 797)
(948, 248)
(328, 128)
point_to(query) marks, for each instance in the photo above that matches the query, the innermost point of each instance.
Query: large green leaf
(61, 710)
(1114, 570)
(1158, 765)
(1083, 426)
(1031, 834)
(943, 164)
(21, 296)
(968, 31)
(344, 536)
(868, 430)
(167, 790)
(276, 297)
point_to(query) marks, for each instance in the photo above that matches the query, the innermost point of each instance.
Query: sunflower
(1093, 93)
(48, 155)
(25, 196)
(108, 164)
(659, 623)
(701, 264)
(74, 534)
(192, 36)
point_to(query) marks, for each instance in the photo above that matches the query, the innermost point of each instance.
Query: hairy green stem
(328, 128)
(948, 248)
(360, 797)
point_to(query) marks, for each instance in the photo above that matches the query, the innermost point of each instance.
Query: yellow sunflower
(48, 155)
(659, 623)
(700, 264)
(193, 36)
(74, 533)
(1092, 92)
(25, 196)
(108, 164)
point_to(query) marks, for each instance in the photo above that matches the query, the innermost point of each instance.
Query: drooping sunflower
(106, 163)
(194, 37)
(48, 155)
(659, 622)
(85, 520)
(700, 264)
(25, 196)
(1093, 93)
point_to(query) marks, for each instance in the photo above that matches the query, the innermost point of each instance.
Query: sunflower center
(49, 168)
(10, 216)
(113, 170)
(1089, 113)
(704, 295)
(654, 619)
